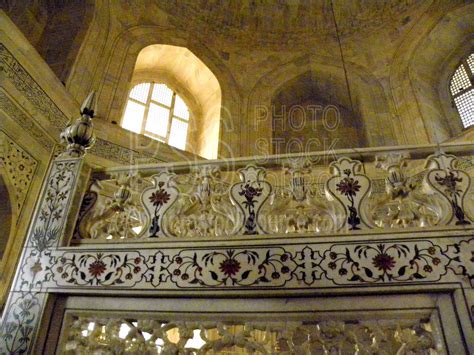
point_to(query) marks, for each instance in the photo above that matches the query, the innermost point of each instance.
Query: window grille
(462, 90)
(153, 109)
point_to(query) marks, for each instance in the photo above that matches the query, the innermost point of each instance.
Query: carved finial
(89, 106)
(79, 135)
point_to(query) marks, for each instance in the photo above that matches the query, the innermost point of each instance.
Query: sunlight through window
(156, 111)
(462, 90)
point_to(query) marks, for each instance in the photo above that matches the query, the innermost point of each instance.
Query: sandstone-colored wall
(55, 29)
(304, 127)
(34, 108)
(397, 56)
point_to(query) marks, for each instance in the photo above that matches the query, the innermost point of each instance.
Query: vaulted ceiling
(275, 21)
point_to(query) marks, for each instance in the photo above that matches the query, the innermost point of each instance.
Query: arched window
(153, 109)
(462, 90)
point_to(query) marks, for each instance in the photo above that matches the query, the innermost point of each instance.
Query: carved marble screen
(329, 325)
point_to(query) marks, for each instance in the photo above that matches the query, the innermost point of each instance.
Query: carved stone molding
(25, 122)
(27, 85)
(119, 154)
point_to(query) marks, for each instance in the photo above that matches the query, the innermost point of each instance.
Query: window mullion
(137, 101)
(160, 104)
(147, 108)
(170, 117)
(180, 119)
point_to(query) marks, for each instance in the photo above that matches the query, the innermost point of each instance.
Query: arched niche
(6, 216)
(369, 112)
(117, 62)
(311, 113)
(186, 74)
(421, 71)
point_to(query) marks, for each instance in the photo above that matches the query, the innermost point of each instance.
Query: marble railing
(277, 226)
(339, 192)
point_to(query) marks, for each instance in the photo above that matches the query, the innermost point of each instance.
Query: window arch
(462, 90)
(155, 110)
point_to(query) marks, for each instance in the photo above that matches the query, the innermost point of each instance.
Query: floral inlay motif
(349, 187)
(450, 183)
(17, 331)
(386, 263)
(232, 268)
(21, 316)
(383, 262)
(250, 193)
(420, 261)
(229, 267)
(158, 198)
(97, 268)
(47, 231)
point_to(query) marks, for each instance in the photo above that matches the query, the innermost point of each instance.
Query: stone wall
(55, 28)
(398, 58)
(378, 46)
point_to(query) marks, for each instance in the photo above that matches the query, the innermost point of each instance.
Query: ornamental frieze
(300, 266)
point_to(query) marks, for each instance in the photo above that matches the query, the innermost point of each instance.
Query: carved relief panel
(404, 204)
(451, 184)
